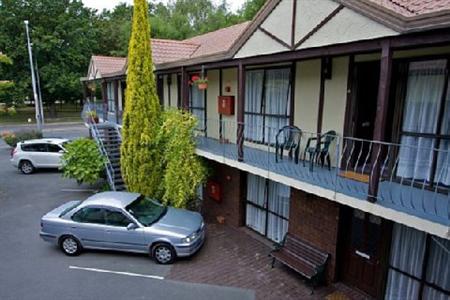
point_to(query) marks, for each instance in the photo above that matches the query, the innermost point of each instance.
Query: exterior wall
(277, 22)
(230, 79)
(307, 86)
(315, 220)
(173, 91)
(166, 90)
(259, 44)
(232, 205)
(211, 107)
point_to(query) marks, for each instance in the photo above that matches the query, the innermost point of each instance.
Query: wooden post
(240, 112)
(184, 89)
(384, 88)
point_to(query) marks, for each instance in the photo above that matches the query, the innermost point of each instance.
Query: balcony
(373, 176)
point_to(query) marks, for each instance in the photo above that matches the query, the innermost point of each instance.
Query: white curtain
(443, 162)
(279, 197)
(197, 104)
(256, 193)
(423, 96)
(438, 269)
(277, 101)
(253, 104)
(407, 255)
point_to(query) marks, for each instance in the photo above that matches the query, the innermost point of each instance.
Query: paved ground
(65, 130)
(33, 269)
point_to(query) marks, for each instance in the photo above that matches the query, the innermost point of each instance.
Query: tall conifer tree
(141, 158)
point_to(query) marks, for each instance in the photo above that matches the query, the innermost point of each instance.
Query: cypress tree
(140, 155)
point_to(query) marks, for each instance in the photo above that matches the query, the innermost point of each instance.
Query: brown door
(363, 254)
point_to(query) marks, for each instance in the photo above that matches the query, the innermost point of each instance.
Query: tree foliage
(83, 161)
(141, 156)
(5, 85)
(183, 170)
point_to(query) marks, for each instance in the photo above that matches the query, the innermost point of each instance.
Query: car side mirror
(61, 151)
(132, 226)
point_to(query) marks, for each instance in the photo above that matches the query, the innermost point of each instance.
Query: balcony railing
(405, 178)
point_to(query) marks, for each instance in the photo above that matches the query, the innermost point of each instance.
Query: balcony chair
(288, 138)
(320, 151)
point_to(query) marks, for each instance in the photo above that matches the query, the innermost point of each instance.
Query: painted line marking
(77, 190)
(116, 272)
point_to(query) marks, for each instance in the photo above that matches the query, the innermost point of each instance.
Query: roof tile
(412, 8)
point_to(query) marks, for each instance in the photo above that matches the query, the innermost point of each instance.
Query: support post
(384, 88)
(184, 89)
(240, 112)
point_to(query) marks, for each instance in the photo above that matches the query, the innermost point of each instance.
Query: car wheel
(70, 246)
(26, 167)
(164, 253)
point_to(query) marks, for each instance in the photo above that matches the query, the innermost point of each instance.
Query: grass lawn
(65, 113)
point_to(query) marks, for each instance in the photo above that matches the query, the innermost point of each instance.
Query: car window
(53, 148)
(146, 210)
(115, 218)
(90, 215)
(34, 148)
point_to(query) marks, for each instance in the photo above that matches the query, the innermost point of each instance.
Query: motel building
(327, 119)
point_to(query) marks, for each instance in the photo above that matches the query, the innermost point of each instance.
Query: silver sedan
(127, 222)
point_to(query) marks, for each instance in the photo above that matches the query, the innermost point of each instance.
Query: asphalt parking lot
(33, 269)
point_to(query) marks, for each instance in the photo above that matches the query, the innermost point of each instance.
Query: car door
(36, 153)
(89, 227)
(54, 154)
(119, 236)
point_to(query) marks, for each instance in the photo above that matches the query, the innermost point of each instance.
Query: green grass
(66, 113)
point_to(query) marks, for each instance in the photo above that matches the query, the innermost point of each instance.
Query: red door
(364, 252)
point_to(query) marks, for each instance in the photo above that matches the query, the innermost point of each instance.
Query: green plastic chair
(320, 151)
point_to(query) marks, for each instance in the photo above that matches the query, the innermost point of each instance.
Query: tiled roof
(108, 64)
(169, 50)
(217, 41)
(411, 8)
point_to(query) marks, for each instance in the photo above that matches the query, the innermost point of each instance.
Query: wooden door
(364, 254)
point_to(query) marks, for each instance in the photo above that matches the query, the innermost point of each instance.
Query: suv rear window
(34, 147)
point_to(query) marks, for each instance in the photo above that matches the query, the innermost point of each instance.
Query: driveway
(33, 269)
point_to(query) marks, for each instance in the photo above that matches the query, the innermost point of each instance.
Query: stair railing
(96, 135)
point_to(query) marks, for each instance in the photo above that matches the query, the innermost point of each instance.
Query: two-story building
(367, 79)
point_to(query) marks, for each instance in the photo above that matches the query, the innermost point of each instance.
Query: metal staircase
(108, 139)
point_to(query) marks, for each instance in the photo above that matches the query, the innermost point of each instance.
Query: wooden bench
(302, 258)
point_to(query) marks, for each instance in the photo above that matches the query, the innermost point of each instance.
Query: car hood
(179, 222)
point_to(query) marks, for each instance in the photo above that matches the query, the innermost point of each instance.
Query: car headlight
(189, 238)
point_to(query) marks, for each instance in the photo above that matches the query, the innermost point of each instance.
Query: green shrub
(12, 138)
(83, 161)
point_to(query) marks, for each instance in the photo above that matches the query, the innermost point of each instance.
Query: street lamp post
(37, 104)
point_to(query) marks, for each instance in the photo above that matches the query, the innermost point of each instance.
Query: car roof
(46, 140)
(112, 199)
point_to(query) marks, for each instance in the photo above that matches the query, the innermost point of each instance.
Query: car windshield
(146, 210)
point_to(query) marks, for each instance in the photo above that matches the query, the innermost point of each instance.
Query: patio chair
(288, 138)
(320, 151)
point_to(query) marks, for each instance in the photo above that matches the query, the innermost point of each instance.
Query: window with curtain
(110, 96)
(197, 106)
(425, 132)
(267, 207)
(419, 265)
(267, 103)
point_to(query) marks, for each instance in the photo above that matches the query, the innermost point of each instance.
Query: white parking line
(115, 272)
(77, 190)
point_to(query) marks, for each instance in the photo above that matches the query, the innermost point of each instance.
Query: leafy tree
(63, 36)
(141, 156)
(5, 85)
(251, 8)
(83, 161)
(184, 171)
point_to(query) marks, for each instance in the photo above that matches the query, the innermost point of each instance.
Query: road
(64, 130)
(33, 269)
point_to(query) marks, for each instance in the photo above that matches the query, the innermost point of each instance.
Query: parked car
(127, 222)
(39, 153)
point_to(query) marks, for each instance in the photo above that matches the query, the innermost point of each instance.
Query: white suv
(40, 153)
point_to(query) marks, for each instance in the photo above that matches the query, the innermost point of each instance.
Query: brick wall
(231, 207)
(316, 220)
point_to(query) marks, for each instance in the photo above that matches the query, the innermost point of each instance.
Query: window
(419, 265)
(197, 103)
(34, 148)
(110, 97)
(425, 132)
(90, 215)
(267, 103)
(53, 148)
(115, 218)
(267, 207)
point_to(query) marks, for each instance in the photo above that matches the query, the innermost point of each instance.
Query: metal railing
(412, 177)
(93, 126)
